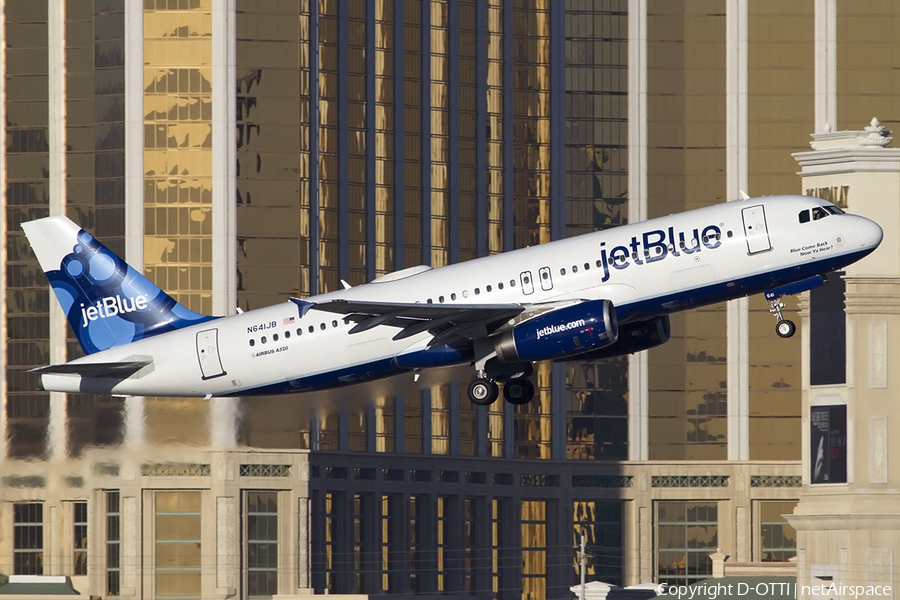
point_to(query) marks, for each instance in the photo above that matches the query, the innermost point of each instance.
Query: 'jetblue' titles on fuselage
(656, 245)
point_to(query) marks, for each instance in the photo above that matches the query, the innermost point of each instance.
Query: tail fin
(106, 301)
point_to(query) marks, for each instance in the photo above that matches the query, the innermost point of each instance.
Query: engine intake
(562, 332)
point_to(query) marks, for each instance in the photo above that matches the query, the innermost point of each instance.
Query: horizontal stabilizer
(119, 370)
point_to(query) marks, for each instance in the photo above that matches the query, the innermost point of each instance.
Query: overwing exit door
(208, 353)
(755, 229)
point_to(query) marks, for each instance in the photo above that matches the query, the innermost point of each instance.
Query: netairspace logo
(711, 591)
(551, 329)
(112, 306)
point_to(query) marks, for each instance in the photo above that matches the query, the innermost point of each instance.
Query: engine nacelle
(570, 330)
(633, 337)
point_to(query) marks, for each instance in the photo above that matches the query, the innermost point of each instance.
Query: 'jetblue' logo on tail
(110, 307)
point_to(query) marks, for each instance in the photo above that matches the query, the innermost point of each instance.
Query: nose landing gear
(783, 327)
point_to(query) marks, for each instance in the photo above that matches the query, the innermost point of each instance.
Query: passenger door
(755, 229)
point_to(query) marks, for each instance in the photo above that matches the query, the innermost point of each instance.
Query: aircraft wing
(446, 322)
(118, 370)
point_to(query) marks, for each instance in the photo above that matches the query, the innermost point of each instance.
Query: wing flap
(448, 322)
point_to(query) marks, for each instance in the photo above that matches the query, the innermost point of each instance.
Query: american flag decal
(289, 320)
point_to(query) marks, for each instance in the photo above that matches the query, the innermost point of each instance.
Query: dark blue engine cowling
(562, 332)
(633, 337)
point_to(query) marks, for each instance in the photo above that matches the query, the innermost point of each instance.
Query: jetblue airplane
(598, 295)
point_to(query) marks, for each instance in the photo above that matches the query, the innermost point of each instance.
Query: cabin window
(453, 296)
(322, 326)
(477, 291)
(334, 323)
(488, 288)
(252, 343)
(587, 266)
(500, 286)
(512, 283)
(287, 335)
(440, 299)
(562, 271)
(599, 263)
(263, 340)
(574, 268)
(274, 337)
(311, 328)
(429, 301)
(299, 331)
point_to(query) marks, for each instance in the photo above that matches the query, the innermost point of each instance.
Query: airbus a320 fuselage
(597, 295)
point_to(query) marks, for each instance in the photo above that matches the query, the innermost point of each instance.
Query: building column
(56, 52)
(737, 179)
(224, 163)
(638, 364)
(134, 181)
(826, 65)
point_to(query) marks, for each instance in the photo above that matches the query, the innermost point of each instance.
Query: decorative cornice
(875, 135)
(837, 152)
(835, 522)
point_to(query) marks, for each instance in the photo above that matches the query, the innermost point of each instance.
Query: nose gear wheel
(783, 327)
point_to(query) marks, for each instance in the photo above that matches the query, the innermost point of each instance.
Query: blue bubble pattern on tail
(108, 303)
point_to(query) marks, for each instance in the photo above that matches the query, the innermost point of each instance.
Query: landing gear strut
(783, 327)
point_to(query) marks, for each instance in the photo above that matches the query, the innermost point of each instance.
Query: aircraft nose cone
(868, 233)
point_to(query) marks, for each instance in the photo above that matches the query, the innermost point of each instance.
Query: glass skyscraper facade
(242, 153)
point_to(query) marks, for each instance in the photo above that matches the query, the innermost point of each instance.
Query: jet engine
(633, 337)
(571, 330)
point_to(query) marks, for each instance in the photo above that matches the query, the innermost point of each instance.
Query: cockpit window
(833, 210)
(804, 216)
(819, 213)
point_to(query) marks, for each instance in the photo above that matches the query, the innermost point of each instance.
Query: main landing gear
(517, 389)
(483, 391)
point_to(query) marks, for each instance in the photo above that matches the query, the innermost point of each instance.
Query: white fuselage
(646, 269)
